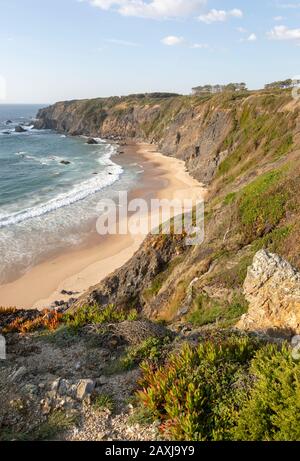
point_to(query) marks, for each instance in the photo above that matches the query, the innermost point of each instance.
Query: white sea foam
(106, 178)
(41, 160)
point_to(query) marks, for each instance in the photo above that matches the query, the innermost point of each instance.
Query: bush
(150, 349)
(234, 389)
(95, 315)
(272, 411)
(194, 394)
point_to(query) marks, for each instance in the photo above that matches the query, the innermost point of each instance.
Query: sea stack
(19, 129)
(91, 141)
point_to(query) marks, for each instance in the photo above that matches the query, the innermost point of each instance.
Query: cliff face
(185, 127)
(203, 131)
(272, 287)
(246, 147)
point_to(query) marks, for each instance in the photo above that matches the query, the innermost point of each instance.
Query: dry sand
(85, 266)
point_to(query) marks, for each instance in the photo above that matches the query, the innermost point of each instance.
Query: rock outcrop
(272, 287)
(19, 129)
(193, 133)
(125, 286)
(91, 141)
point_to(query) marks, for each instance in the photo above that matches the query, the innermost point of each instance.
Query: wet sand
(78, 269)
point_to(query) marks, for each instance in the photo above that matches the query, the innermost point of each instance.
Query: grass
(274, 240)
(57, 422)
(233, 278)
(160, 279)
(211, 311)
(260, 130)
(103, 402)
(262, 205)
(141, 416)
(151, 349)
(230, 198)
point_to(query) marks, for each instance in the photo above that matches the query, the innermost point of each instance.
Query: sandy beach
(78, 269)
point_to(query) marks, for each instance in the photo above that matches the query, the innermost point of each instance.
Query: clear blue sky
(65, 49)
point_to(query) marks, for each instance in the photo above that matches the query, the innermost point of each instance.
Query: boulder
(19, 129)
(91, 141)
(272, 288)
(85, 388)
(8, 122)
(65, 162)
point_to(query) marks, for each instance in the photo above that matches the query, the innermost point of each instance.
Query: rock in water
(8, 122)
(272, 288)
(65, 162)
(19, 129)
(91, 141)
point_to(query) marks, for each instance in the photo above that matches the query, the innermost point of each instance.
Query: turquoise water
(47, 205)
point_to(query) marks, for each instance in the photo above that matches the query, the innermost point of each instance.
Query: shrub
(233, 389)
(150, 349)
(272, 411)
(49, 320)
(95, 315)
(194, 394)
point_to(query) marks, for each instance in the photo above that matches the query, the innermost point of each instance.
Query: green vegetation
(262, 205)
(208, 311)
(57, 422)
(271, 410)
(159, 280)
(151, 349)
(230, 389)
(259, 131)
(95, 315)
(273, 240)
(141, 416)
(103, 402)
(230, 198)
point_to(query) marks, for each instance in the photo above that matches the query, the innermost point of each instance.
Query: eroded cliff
(245, 146)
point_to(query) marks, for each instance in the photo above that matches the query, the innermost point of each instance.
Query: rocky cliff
(246, 147)
(190, 128)
(71, 373)
(272, 288)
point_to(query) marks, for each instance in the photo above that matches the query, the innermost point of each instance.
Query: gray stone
(19, 129)
(85, 388)
(272, 288)
(91, 141)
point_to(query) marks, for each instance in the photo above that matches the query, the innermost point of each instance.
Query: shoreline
(79, 269)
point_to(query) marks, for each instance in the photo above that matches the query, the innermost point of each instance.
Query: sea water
(50, 186)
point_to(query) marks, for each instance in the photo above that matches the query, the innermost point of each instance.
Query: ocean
(50, 185)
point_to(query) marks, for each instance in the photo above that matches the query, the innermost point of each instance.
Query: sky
(53, 50)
